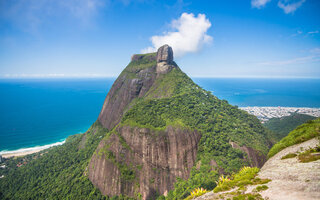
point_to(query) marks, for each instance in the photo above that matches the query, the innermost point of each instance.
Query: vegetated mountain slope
(292, 172)
(294, 165)
(282, 126)
(164, 127)
(302, 133)
(56, 173)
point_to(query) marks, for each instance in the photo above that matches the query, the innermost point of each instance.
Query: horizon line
(63, 76)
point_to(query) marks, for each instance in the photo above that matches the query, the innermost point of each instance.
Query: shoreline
(29, 150)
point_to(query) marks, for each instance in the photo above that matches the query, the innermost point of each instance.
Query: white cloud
(290, 6)
(259, 3)
(313, 32)
(190, 35)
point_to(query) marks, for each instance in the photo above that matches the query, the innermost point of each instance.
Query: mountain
(158, 135)
(163, 127)
(284, 125)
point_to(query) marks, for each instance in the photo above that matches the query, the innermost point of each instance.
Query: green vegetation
(146, 61)
(289, 155)
(248, 196)
(57, 173)
(196, 193)
(246, 176)
(175, 100)
(205, 177)
(284, 125)
(261, 188)
(302, 133)
(310, 155)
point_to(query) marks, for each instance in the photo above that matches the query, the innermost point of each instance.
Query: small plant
(245, 176)
(196, 193)
(310, 155)
(261, 188)
(289, 155)
(222, 180)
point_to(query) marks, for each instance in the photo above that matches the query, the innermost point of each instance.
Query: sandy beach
(17, 154)
(27, 151)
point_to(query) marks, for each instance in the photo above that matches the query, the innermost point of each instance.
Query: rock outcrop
(165, 54)
(139, 160)
(133, 83)
(291, 179)
(254, 157)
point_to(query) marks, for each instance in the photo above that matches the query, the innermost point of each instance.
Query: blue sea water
(38, 112)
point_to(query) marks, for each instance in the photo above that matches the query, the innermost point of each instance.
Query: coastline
(263, 113)
(27, 151)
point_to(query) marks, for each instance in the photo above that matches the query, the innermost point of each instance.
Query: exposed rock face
(127, 88)
(165, 54)
(164, 59)
(256, 159)
(123, 91)
(155, 158)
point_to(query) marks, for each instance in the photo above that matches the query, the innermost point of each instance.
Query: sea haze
(38, 112)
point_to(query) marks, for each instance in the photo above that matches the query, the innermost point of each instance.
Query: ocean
(37, 113)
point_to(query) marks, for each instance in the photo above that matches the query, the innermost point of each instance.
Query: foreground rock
(292, 179)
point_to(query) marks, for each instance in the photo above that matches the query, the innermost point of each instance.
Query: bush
(301, 134)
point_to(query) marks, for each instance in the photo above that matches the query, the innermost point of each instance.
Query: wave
(36, 148)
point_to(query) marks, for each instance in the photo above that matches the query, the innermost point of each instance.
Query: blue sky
(213, 38)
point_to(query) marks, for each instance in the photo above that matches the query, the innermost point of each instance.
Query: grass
(240, 196)
(301, 134)
(246, 176)
(289, 155)
(261, 188)
(310, 155)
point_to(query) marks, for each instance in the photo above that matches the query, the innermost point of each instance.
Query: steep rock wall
(255, 158)
(140, 160)
(123, 91)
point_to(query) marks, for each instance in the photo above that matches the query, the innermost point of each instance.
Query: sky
(213, 38)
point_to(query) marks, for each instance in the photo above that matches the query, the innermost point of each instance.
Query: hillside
(56, 173)
(284, 125)
(293, 171)
(159, 135)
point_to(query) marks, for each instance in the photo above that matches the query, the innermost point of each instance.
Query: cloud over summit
(189, 36)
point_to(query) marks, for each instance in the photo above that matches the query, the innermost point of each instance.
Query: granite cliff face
(155, 161)
(254, 157)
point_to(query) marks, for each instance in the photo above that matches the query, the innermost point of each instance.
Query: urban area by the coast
(266, 113)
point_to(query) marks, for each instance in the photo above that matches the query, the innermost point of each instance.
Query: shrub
(289, 155)
(301, 134)
(196, 193)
